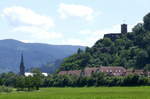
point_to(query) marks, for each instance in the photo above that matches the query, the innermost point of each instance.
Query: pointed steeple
(22, 67)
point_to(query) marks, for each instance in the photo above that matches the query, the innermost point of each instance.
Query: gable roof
(139, 72)
(88, 71)
(113, 68)
(74, 72)
(110, 70)
(71, 72)
(63, 72)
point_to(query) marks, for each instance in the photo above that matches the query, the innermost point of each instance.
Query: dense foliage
(130, 50)
(98, 79)
(30, 83)
(5, 89)
(22, 83)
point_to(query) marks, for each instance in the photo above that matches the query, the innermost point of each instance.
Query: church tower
(22, 67)
(124, 28)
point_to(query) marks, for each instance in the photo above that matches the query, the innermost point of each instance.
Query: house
(31, 74)
(138, 72)
(89, 71)
(114, 71)
(86, 72)
(28, 74)
(45, 74)
(129, 72)
(74, 72)
(148, 74)
(63, 73)
(109, 70)
(71, 72)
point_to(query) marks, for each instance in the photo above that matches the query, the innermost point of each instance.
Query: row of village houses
(114, 71)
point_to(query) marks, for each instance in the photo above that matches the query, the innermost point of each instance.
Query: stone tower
(124, 28)
(22, 67)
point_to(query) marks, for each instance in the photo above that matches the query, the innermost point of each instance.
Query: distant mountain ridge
(35, 54)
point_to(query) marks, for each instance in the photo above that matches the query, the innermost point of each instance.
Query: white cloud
(17, 15)
(67, 10)
(26, 21)
(34, 27)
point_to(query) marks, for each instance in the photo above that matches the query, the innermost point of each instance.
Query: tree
(147, 67)
(141, 58)
(79, 51)
(146, 20)
(131, 80)
(138, 28)
(107, 42)
(8, 79)
(20, 83)
(37, 78)
(99, 78)
(29, 83)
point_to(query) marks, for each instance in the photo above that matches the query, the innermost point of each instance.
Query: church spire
(22, 67)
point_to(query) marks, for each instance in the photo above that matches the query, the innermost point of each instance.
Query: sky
(67, 22)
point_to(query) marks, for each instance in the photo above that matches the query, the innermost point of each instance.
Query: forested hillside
(47, 57)
(131, 50)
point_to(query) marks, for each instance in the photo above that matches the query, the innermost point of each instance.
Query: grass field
(82, 93)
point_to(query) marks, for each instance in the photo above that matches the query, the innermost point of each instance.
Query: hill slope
(130, 50)
(35, 54)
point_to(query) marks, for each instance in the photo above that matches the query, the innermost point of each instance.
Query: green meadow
(82, 93)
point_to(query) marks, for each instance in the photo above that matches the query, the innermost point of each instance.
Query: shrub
(5, 89)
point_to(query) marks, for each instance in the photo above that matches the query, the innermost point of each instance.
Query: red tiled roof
(112, 70)
(139, 72)
(75, 72)
(71, 72)
(63, 72)
(129, 72)
(88, 71)
(148, 74)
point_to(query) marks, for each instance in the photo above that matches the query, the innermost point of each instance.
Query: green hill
(36, 55)
(130, 50)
